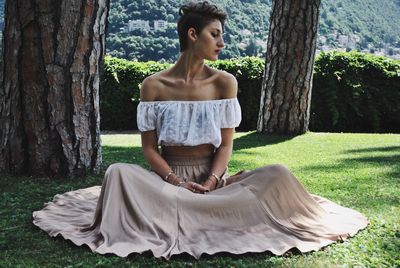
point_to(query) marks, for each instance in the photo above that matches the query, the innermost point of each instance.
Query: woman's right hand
(190, 185)
(194, 187)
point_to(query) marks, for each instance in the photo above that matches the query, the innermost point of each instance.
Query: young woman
(187, 202)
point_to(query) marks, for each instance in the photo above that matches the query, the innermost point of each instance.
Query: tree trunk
(49, 94)
(286, 88)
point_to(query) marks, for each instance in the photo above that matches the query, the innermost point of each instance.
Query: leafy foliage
(119, 93)
(355, 92)
(351, 91)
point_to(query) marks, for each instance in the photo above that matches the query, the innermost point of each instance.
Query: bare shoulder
(227, 85)
(150, 87)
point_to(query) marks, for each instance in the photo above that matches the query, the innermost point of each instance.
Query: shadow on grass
(362, 157)
(372, 189)
(255, 139)
(365, 156)
(375, 149)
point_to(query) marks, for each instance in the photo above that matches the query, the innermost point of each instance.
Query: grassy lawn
(361, 171)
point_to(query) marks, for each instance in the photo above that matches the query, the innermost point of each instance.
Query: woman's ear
(192, 35)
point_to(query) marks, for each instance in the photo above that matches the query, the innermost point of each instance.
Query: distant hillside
(366, 25)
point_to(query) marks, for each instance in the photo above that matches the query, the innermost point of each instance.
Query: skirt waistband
(188, 161)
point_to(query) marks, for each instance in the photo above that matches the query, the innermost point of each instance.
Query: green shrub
(352, 92)
(355, 92)
(119, 93)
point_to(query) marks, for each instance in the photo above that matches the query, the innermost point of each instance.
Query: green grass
(361, 171)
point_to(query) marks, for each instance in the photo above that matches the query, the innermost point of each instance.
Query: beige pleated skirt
(134, 211)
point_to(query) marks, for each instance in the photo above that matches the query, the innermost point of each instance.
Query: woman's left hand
(210, 184)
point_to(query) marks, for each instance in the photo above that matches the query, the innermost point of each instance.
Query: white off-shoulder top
(188, 123)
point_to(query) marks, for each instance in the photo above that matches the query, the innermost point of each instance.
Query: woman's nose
(221, 43)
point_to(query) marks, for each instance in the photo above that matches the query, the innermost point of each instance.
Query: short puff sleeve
(146, 116)
(230, 113)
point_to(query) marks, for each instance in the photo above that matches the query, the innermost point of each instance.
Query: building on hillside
(261, 43)
(380, 52)
(340, 49)
(160, 25)
(325, 48)
(395, 56)
(334, 32)
(138, 25)
(322, 39)
(353, 40)
(356, 38)
(246, 32)
(343, 40)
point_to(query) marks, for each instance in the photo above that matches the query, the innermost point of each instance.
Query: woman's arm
(153, 157)
(221, 158)
(230, 87)
(149, 92)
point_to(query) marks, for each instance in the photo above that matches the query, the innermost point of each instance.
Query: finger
(202, 189)
(188, 187)
(195, 187)
(199, 188)
(208, 185)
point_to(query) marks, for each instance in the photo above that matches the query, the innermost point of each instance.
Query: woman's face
(210, 42)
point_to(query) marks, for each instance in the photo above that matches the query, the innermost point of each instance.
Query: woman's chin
(212, 58)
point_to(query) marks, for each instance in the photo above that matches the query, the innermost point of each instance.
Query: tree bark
(286, 87)
(49, 94)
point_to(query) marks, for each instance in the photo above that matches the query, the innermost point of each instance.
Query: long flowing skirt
(134, 210)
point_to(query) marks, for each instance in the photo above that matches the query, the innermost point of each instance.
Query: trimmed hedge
(119, 91)
(352, 92)
(355, 92)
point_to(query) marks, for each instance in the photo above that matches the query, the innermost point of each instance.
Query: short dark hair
(197, 15)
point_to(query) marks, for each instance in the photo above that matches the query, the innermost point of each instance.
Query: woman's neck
(188, 67)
